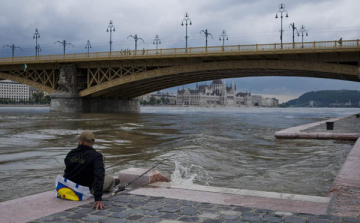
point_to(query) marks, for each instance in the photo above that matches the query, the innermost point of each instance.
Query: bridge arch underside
(149, 81)
(32, 83)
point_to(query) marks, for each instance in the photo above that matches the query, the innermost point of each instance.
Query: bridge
(105, 81)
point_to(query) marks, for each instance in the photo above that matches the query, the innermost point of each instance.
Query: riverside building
(215, 94)
(14, 91)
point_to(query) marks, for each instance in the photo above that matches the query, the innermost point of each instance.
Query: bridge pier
(71, 103)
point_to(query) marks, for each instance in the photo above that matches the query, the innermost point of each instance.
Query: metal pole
(157, 41)
(186, 19)
(206, 36)
(36, 36)
(281, 31)
(222, 36)
(112, 28)
(136, 42)
(186, 36)
(13, 50)
(281, 10)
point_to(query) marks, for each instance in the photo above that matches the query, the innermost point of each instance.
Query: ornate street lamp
(281, 11)
(36, 37)
(186, 19)
(206, 36)
(223, 37)
(64, 44)
(38, 50)
(88, 46)
(111, 28)
(303, 30)
(13, 48)
(136, 38)
(157, 41)
(292, 25)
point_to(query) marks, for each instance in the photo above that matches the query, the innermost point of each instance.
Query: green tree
(163, 100)
(38, 97)
(46, 99)
(152, 100)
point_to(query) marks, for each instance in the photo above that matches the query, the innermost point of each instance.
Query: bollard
(329, 125)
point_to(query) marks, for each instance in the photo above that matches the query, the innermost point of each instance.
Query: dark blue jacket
(85, 166)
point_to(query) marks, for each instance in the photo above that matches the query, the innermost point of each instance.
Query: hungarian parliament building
(217, 94)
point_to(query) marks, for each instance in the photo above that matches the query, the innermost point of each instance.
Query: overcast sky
(245, 22)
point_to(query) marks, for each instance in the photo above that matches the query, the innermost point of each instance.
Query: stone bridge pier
(66, 98)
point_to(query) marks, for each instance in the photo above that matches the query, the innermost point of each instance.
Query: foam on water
(187, 175)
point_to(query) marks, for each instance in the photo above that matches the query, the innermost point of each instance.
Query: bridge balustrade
(240, 49)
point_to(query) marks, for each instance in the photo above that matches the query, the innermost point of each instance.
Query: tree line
(38, 98)
(154, 101)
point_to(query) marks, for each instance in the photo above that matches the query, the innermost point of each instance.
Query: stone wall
(71, 103)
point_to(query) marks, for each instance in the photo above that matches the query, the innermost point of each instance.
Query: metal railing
(194, 51)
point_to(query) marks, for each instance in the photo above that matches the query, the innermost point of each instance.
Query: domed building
(215, 94)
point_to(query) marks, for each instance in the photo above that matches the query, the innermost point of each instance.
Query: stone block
(325, 135)
(131, 174)
(285, 135)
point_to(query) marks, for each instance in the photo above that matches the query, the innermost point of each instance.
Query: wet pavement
(128, 208)
(347, 125)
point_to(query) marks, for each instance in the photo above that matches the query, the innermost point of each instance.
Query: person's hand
(99, 205)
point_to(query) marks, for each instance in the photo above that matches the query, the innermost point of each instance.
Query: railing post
(335, 44)
(147, 52)
(175, 51)
(256, 47)
(160, 51)
(239, 48)
(275, 46)
(314, 45)
(357, 43)
(190, 50)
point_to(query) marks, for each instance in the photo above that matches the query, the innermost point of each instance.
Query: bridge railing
(213, 50)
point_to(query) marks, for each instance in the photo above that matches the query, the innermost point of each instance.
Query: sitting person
(85, 166)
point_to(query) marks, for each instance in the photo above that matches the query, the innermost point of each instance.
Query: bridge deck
(261, 49)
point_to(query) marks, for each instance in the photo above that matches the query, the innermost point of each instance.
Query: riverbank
(164, 202)
(24, 105)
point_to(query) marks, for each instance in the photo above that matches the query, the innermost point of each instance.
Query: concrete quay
(345, 128)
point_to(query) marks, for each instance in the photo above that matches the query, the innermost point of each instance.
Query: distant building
(270, 102)
(14, 91)
(215, 94)
(170, 98)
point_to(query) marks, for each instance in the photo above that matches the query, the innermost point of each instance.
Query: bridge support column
(71, 103)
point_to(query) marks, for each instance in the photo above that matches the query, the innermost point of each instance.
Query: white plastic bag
(66, 189)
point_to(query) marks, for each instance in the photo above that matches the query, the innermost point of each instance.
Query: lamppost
(136, 38)
(281, 11)
(36, 36)
(186, 19)
(303, 30)
(38, 50)
(13, 47)
(64, 44)
(157, 41)
(88, 46)
(110, 28)
(222, 36)
(292, 25)
(206, 35)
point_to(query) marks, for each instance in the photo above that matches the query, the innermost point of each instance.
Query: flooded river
(222, 147)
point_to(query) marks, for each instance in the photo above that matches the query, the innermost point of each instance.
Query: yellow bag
(66, 189)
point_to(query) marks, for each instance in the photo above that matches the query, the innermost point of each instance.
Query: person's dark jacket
(85, 166)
